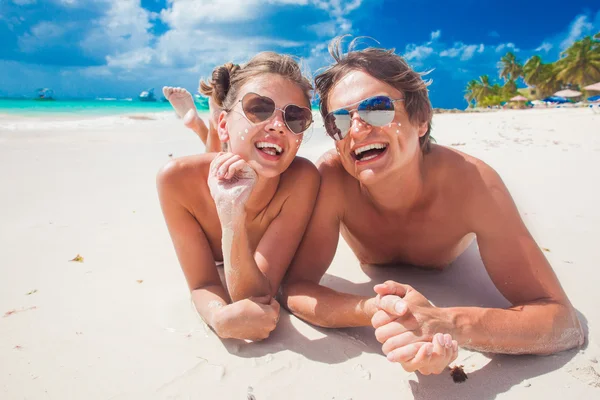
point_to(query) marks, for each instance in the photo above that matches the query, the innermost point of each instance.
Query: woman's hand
(230, 181)
(249, 319)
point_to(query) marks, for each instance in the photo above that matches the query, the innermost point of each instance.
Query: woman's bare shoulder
(179, 172)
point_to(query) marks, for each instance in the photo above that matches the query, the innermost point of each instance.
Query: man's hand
(249, 319)
(406, 324)
(231, 181)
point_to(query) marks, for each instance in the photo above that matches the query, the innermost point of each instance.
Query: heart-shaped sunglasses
(257, 109)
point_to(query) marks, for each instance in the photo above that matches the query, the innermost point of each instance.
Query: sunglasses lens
(377, 111)
(257, 108)
(337, 123)
(297, 118)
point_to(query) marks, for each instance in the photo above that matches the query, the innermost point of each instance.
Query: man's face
(399, 139)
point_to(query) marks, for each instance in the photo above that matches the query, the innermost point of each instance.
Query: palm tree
(580, 63)
(509, 88)
(477, 90)
(511, 68)
(548, 81)
(472, 90)
(532, 70)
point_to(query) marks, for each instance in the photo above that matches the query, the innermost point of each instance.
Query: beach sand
(120, 324)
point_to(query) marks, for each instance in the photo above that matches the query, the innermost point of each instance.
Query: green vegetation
(578, 66)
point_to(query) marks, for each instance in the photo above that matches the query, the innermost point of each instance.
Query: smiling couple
(273, 219)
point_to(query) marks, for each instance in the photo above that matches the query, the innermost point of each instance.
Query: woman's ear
(222, 128)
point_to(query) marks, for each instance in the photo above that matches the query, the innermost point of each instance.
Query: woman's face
(269, 146)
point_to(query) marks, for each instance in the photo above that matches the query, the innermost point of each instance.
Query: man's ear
(423, 128)
(222, 128)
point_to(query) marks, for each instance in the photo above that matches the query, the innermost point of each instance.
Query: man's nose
(359, 128)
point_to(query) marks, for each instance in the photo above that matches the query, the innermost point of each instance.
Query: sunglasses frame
(274, 110)
(350, 111)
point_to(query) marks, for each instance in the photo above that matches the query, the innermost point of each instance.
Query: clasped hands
(408, 326)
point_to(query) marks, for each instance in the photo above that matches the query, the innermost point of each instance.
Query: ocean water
(97, 107)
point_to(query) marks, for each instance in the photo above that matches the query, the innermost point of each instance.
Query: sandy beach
(120, 324)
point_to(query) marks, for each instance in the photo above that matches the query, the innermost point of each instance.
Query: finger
(391, 287)
(394, 328)
(234, 167)
(275, 305)
(406, 353)
(421, 360)
(381, 318)
(454, 351)
(218, 161)
(222, 172)
(395, 342)
(439, 347)
(448, 341)
(442, 354)
(392, 304)
(261, 299)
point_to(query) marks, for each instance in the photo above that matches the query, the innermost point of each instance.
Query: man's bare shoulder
(463, 170)
(330, 167)
(470, 183)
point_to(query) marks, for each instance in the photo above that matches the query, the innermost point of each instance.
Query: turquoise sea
(97, 107)
(27, 107)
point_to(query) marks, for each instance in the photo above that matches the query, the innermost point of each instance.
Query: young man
(397, 198)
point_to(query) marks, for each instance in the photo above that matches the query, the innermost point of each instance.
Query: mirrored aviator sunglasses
(259, 109)
(375, 111)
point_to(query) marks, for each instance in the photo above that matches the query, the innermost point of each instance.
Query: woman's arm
(258, 272)
(251, 319)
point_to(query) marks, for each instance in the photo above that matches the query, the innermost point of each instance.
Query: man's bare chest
(427, 238)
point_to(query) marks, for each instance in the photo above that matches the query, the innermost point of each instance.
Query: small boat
(44, 94)
(147, 95)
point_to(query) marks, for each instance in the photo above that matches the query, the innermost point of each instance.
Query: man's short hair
(386, 66)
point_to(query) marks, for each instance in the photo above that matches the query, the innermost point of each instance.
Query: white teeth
(369, 147)
(367, 158)
(262, 145)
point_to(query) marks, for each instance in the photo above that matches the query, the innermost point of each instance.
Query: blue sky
(116, 48)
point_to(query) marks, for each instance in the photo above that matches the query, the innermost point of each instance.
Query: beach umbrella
(595, 87)
(519, 98)
(555, 99)
(567, 93)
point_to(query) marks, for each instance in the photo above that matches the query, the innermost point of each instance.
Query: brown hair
(229, 78)
(387, 67)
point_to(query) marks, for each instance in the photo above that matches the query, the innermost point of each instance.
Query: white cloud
(435, 34)
(580, 27)
(507, 47)
(326, 28)
(132, 59)
(464, 51)
(544, 47)
(124, 28)
(43, 34)
(188, 14)
(417, 53)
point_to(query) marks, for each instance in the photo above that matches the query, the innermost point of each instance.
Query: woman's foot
(185, 108)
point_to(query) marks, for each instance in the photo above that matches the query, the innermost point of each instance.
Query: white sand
(86, 186)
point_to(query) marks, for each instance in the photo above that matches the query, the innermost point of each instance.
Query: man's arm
(301, 293)
(541, 320)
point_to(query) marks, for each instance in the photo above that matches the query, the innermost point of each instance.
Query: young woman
(247, 207)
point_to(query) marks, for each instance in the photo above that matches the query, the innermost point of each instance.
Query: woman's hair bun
(220, 82)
